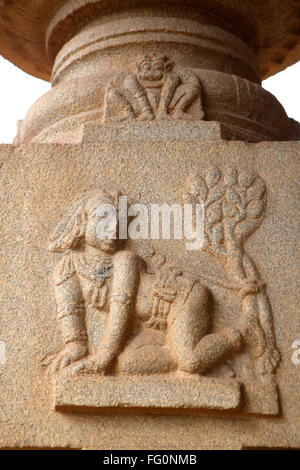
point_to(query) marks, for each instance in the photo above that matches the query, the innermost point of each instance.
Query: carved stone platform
(155, 130)
(147, 392)
(252, 402)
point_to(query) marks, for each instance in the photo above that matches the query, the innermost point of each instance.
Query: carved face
(153, 68)
(101, 230)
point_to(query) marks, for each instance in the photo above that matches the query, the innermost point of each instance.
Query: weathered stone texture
(39, 183)
(166, 342)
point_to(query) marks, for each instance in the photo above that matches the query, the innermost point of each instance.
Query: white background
(18, 91)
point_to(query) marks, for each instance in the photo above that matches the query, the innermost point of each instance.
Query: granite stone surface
(38, 185)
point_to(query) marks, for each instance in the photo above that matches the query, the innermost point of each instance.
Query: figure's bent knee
(198, 295)
(146, 360)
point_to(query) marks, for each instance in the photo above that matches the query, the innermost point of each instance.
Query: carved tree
(234, 208)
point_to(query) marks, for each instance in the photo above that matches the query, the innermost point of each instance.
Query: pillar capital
(80, 45)
(32, 33)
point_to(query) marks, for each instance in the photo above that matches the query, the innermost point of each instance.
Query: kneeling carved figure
(154, 89)
(117, 318)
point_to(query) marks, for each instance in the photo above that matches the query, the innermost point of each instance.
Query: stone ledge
(147, 392)
(153, 130)
(260, 398)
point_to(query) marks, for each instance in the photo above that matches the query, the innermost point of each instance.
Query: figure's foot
(163, 116)
(262, 348)
(186, 375)
(201, 115)
(268, 362)
(181, 115)
(226, 370)
(146, 116)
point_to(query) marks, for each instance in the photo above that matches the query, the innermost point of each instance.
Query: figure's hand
(72, 352)
(90, 365)
(104, 356)
(250, 286)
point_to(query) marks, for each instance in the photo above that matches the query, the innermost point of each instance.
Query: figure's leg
(184, 97)
(193, 349)
(146, 360)
(137, 96)
(145, 354)
(143, 108)
(167, 94)
(117, 107)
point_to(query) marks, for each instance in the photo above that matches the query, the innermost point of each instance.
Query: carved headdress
(71, 229)
(163, 59)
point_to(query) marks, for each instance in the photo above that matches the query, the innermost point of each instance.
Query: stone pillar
(159, 102)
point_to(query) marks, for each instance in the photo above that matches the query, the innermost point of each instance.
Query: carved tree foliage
(234, 208)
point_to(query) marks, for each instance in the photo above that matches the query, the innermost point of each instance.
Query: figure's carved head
(153, 67)
(81, 222)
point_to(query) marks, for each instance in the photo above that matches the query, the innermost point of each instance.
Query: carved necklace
(102, 273)
(96, 270)
(99, 291)
(98, 273)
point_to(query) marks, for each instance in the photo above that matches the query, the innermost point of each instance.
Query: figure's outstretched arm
(122, 300)
(70, 313)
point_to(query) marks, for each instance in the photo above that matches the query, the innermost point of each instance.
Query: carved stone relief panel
(141, 325)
